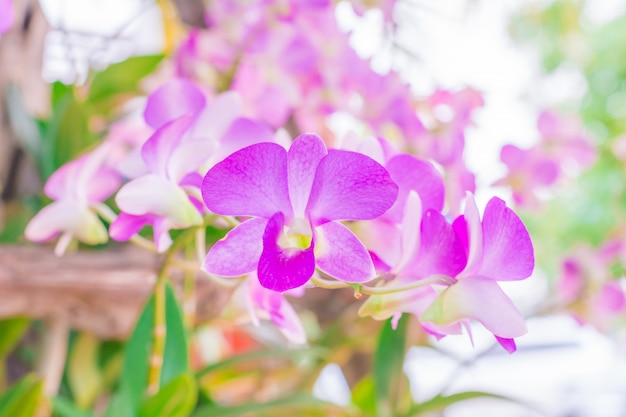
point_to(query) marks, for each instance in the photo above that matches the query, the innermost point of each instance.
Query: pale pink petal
(188, 156)
(175, 99)
(241, 133)
(217, 117)
(382, 237)
(157, 150)
(571, 282)
(481, 299)
(304, 156)
(238, 253)
(281, 269)
(250, 182)
(611, 299)
(161, 230)
(350, 186)
(474, 235)
(278, 309)
(507, 248)
(411, 224)
(102, 185)
(340, 254)
(152, 194)
(65, 216)
(412, 174)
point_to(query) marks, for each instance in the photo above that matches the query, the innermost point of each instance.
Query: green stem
(364, 289)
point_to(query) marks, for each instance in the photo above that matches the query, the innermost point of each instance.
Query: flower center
(297, 234)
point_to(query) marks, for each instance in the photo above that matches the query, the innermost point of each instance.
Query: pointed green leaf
(122, 77)
(176, 399)
(438, 403)
(134, 378)
(298, 402)
(11, 331)
(23, 398)
(388, 362)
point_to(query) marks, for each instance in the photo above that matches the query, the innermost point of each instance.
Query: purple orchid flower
(498, 249)
(190, 135)
(296, 200)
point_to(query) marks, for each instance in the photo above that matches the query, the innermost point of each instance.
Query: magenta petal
(441, 252)
(303, 157)
(507, 248)
(340, 254)
(420, 176)
(157, 150)
(411, 234)
(283, 269)
(127, 225)
(250, 182)
(350, 186)
(238, 253)
(171, 101)
(508, 344)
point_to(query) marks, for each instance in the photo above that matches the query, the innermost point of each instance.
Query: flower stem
(159, 333)
(364, 289)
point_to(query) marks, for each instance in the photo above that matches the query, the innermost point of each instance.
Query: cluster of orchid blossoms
(564, 149)
(360, 213)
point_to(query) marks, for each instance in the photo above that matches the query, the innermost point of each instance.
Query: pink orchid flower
(498, 249)
(429, 248)
(75, 187)
(265, 304)
(296, 200)
(190, 135)
(7, 15)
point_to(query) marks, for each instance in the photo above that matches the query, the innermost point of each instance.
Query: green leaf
(440, 402)
(293, 354)
(299, 402)
(23, 398)
(176, 399)
(388, 362)
(62, 407)
(134, 378)
(122, 77)
(176, 357)
(83, 371)
(11, 331)
(363, 395)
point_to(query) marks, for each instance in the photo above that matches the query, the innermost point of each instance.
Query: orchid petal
(283, 269)
(252, 182)
(161, 230)
(411, 224)
(474, 234)
(350, 186)
(238, 253)
(508, 344)
(280, 312)
(66, 216)
(7, 16)
(381, 237)
(173, 100)
(241, 133)
(188, 156)
(152, 194)
(420, 176)
(304, 156)
(217, 117)
(478, 298)
(340, 254)
(507, 248)
(441, 252)
(158, 149)
(127, 225)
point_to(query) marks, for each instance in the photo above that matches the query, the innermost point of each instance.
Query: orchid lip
(296, 235)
